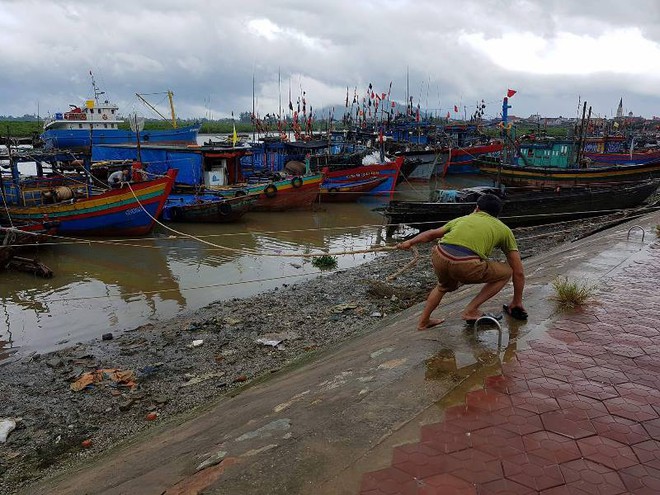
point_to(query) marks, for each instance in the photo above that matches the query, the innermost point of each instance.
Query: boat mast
(408, 103)
(170, 96)
(578, 151)
(97, 93)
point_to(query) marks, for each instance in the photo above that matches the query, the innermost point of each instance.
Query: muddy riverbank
(155, 373)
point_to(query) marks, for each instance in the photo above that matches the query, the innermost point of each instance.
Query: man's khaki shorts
(453, 272)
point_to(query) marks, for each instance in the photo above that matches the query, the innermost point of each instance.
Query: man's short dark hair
(491, 204)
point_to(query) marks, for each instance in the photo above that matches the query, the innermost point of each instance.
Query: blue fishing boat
(217, 170)
(97, 122)
(207, 208)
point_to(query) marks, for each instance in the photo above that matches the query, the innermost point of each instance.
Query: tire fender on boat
(224, 208)
(270, 191)
(240, 192)
(297, 182)
(333, 191)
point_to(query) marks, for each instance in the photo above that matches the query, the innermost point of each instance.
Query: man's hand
(404, 245)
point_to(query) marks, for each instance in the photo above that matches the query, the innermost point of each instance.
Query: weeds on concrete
(571, 294)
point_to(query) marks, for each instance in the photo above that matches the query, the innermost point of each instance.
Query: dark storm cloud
(208, 53)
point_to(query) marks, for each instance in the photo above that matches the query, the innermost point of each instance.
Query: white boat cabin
(93, 115)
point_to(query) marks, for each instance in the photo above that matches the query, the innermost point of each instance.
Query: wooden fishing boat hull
(635, 158)
(206, 209)
(389, 171)
(533, 207)
(296, 193)
(117, 212)
(343, 192)
(512, 175)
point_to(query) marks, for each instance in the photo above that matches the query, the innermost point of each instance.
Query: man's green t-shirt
(480, 233)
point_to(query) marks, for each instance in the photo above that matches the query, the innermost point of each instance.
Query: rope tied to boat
(373, 249)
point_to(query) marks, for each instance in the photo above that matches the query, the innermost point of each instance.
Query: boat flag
(455, 109)
(510, 93)
(234, 137)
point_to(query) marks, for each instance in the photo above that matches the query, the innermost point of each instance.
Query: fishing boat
(206, 208)
(522, 206)
(515, 175)
(337, 191)
(98, 122)
(81, 208)
(543, 160)
(444, 161)
(388, 170)
(217, 169)
(617, 150)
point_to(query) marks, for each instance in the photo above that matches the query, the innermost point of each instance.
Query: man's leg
(432, 302)
(472, 311)
(495, 276)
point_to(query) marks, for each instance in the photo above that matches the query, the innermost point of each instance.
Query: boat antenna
(279, 82)
(97, 92)
(407, 88)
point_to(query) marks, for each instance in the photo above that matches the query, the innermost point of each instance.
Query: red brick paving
(576, 413)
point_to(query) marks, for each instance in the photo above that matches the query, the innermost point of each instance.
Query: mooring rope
(373, 249)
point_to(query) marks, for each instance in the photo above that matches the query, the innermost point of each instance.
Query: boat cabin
(93, 115)
(546, 152)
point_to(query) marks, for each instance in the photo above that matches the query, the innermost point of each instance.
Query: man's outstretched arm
(426, 236)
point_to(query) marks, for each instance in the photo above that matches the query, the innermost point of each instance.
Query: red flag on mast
(455, 109)
(510, 93)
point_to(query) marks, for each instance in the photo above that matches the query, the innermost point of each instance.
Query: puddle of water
(466, 369)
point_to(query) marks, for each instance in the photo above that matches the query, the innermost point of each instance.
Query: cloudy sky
(555, 53)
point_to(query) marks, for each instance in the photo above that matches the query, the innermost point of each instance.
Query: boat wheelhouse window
(105, 126)
(79, 126)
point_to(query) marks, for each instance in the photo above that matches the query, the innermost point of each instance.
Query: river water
(103, 285)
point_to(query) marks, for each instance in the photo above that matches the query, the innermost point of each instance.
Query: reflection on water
(465, 368)
(102, 286)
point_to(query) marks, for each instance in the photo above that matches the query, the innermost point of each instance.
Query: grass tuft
(325, 262)
(571, 294)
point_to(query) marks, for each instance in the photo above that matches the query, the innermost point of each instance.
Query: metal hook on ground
(490, 319)
(636, 227)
